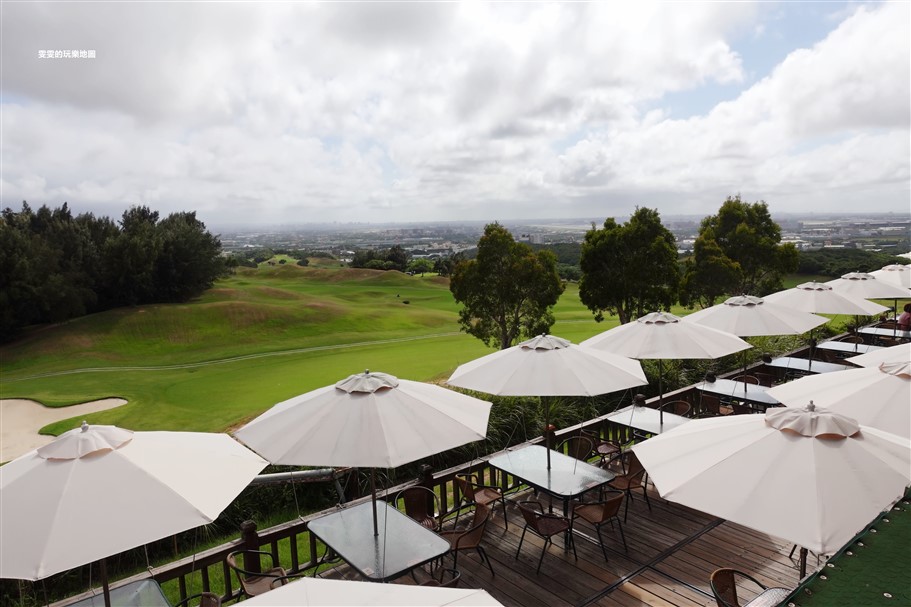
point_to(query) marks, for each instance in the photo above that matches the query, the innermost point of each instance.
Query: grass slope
(298, 329)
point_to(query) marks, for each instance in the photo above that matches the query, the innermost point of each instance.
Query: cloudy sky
(419, 111)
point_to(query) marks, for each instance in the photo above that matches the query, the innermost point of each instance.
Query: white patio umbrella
(330, 593)
(661, 335)
(892, 354)
(879, 397)
(821, 298)
(549, 366)
(808, 476)
(867, 286)
(749, 316)
(367, 420)
(896, 274)
(99, 490)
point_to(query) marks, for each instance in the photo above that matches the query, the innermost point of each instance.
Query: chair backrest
(741, 409)
(471, 537)
(677, 407)
(852, 339)
(466, 484)
(724, 588)
(529, 512)
(579, 447)
(710, 403)
(452, 582)
(765, 379)
(610, 506)
(421, 504)
(747, 379)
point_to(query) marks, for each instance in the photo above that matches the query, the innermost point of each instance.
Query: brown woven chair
(470, 539)
(852, 339)
(765, 379)
(631, 479)
(253, 583)
(677, 407)
(448, 578)
(579, 447)
(544, 525)
(601, 513)
(604, 448)
(747, 379)
(724, 587)
(741, 409)
(422, 505)
(710, 406)
(473, 492)
(205, 599)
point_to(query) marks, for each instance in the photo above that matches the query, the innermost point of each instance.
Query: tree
(420, 266)
(747, 236)
(507, 291)
(709, 274)
(189, 260)
(630, 269)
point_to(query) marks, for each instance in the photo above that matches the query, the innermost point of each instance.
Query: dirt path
(20, 420)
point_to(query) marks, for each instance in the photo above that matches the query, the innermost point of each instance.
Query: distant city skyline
(271, 114)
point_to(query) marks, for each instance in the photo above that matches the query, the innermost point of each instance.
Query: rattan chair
(710, 406)
(724, 587)
(742, 409)
(601, 513)
(604, 448)
(473, 492)
(448, 578)
(632, 478)
(579, 447)
(205, 599)
(747, 379)
(677, 407)
(422, 505)
(470, 538)
(253, 583)
(852, 339)
(765, 379)
(544, 525)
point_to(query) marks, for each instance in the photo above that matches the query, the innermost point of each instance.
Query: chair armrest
(267, 573)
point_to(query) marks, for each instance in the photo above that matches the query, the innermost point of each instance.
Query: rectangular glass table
(567, 478)
(843, 347)
(804, 365)
(751, 394)
(646, 419)
(880, 332)
(402, 543)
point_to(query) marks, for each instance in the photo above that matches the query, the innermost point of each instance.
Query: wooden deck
(672, 552)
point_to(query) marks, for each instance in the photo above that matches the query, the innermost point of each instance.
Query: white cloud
(370, 111)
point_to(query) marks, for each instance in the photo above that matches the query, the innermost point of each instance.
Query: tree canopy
(629, 269)
(752, 259)
(54, 267)
(507, 291)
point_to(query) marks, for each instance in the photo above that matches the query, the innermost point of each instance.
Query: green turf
(871, 571)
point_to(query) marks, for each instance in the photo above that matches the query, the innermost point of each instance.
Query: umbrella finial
(811, 407)
(85, 426)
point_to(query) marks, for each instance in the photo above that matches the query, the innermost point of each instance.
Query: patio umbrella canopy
(661, 335)
(748, 316)
(879, 397)
(892, 354)
(99, 490)
(328, 593)
(895, 274)
(366, 420)
(808, 476)
(821, 298)
(548, 366)
(867, 286)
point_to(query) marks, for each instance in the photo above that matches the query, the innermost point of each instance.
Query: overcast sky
(381, 111)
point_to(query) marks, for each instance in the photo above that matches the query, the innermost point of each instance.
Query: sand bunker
(20, 420)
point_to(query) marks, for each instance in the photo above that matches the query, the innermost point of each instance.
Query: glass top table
(142, 593)
(881, 332)
(567, 478)
(750, 393)
(843, 346)
(804, 365)
(402, 544)
(646, 419)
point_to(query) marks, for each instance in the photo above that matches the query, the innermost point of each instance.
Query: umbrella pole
(376, 528)
(104, 582)
(803, 562)
(660, 393)
(546, 407)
